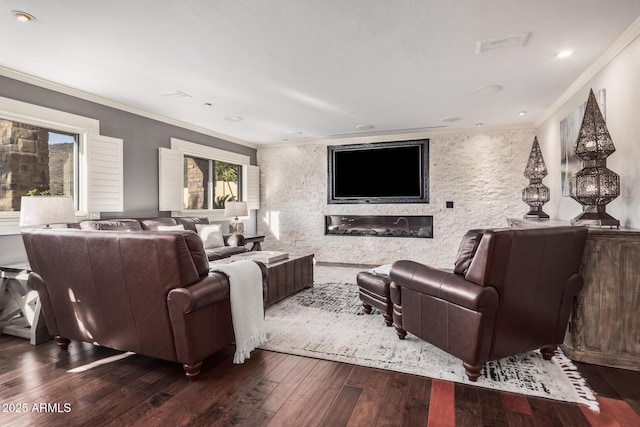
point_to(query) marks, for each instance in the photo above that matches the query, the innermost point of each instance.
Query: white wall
(481, 172)
(620, 79)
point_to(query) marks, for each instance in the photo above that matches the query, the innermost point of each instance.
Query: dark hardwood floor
(42, 386)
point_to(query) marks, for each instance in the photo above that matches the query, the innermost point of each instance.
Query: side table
(20, 308)
(256, 240)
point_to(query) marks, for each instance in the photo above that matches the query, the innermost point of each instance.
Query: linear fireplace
(379, 225)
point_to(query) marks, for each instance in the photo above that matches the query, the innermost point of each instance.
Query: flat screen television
(380, 172)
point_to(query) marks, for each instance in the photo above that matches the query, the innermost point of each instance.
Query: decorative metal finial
(594, 186)
(536, 194)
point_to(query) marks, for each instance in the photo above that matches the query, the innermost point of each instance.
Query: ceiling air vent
(514, 40)
(176, 94)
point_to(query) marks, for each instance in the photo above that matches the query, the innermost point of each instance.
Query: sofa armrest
(444, 285)
(211, 289)
(234, 240)
(200, 318)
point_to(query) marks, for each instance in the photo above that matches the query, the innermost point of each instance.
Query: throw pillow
(178, 227)
(382, 270)
(211, 235)
(467, 250)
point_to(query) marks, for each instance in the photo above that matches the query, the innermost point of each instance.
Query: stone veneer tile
(481, 172)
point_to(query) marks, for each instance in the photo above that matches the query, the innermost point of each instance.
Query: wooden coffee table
(286, 277)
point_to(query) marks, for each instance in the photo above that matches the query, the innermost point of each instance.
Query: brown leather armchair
(511, 291)
(143, 291)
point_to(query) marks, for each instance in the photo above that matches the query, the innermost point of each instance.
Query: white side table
(20, 308)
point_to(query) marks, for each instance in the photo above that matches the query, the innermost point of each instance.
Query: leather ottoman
(374, 292)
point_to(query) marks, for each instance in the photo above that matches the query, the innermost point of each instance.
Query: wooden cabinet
(604, 328)
(605, 322)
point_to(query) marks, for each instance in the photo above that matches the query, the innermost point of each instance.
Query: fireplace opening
(380, 225)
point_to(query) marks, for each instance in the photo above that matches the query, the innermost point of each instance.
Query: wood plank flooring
(38, 388)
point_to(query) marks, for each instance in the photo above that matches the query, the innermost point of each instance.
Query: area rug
(328, 322)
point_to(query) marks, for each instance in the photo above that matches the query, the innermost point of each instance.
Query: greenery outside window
(209, 184)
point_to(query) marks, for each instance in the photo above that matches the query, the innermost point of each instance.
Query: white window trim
(206, 152)
(209, 153)
(36, 115)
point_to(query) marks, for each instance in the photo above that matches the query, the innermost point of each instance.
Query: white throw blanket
(247, 307)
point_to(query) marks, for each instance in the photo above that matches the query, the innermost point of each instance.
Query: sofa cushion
(467, 250)
(178, 227)
(112, 224)
(198, 253)
(224, 252)
(190, 222)
(211, 235)
(154, 223)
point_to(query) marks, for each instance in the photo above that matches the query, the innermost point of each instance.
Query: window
(196, 179)
(208, 184)
(36, 160)
(42, 149)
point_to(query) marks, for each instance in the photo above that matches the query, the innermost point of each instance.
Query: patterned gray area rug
(328, 322)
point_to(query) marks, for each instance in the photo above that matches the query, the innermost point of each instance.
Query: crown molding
(629, 35)
(485, 130)
(47, 84)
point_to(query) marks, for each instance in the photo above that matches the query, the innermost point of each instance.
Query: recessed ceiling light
(564, 54)
(487, 90)
(479, 124)
(364, 127)
(208, 104)
(234, 118)
(451, 119)
(23, 16)
(522, 113)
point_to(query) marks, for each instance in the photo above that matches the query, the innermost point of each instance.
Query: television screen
(389, 172)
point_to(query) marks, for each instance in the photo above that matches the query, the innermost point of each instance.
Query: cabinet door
(605, 326)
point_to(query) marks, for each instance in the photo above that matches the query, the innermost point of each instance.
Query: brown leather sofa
(149, 292)
(511, 291)
(233, 243)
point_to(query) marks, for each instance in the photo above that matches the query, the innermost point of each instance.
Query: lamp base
(536, 213)
(236, 226)
(596, 219)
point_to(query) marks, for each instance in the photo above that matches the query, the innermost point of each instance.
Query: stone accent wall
(24, 162)
(481, 172)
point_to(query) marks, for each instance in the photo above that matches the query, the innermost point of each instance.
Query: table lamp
(46, 210)
(236, 209)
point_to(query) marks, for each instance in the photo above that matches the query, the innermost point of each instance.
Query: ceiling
(302, 70)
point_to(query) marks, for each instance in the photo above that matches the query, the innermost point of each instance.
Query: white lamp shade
(45, 210)
(235, 209)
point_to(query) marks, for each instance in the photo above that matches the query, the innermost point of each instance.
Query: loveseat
(217, 245)
(149, 292)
